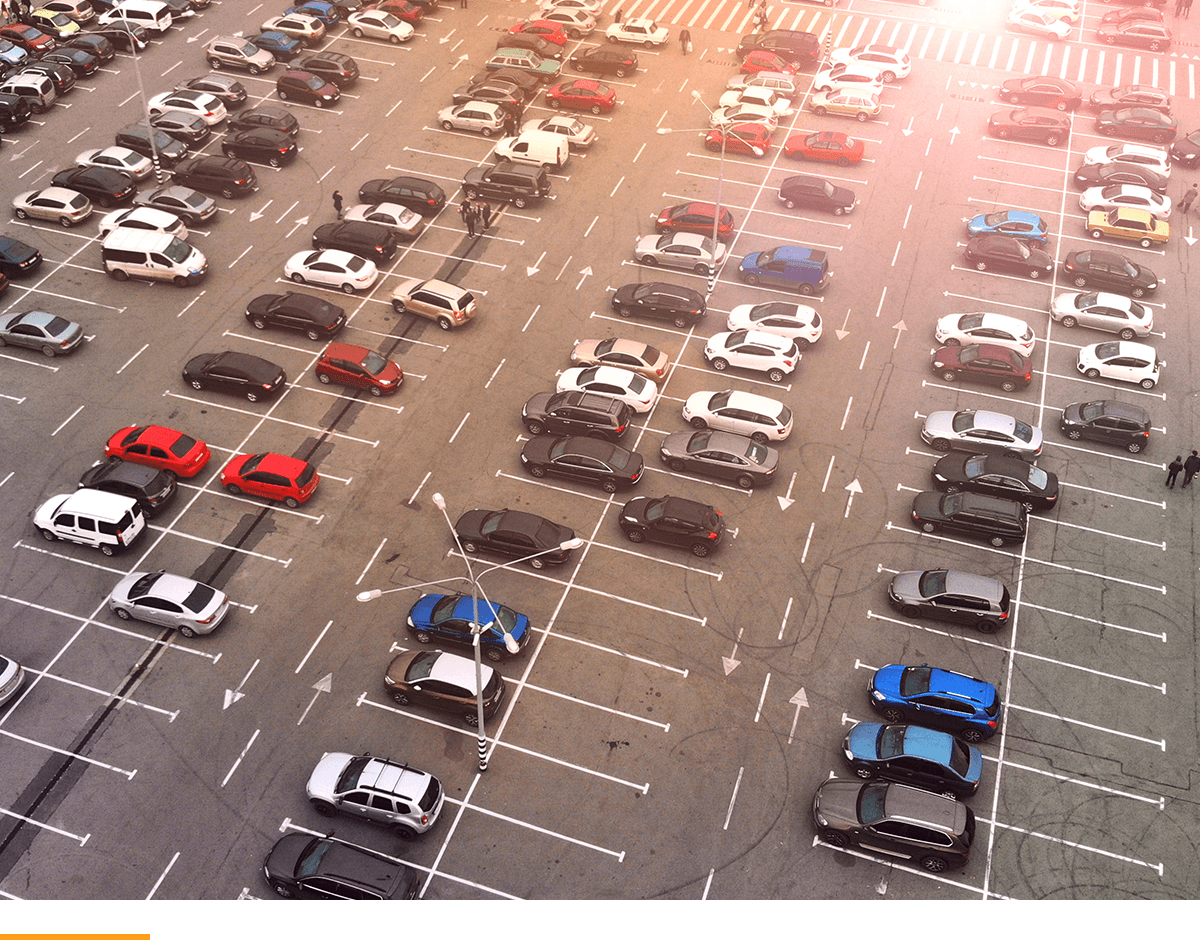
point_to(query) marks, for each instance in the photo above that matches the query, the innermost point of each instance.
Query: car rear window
(429, 799)
(306, 476)
(201, 596)
(960, 758)
(183, 446)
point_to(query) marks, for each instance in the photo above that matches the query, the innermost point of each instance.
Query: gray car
(982, 432)
(189, 205)
(36, 329)
(679, 250)
(12, 677)
(169, 600)
(721, 455)
(955, 596)
(378, 790)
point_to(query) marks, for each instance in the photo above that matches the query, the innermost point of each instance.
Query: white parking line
(1157, 867)
(604, 708)
(1160, 802)
(269, 417)
(1106, 624)
(1161, 743)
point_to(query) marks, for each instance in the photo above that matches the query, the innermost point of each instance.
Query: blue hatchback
(447, 618)
(1026, 225)
(281, 45)
(924, 694)
(932, 760)
(325, 12)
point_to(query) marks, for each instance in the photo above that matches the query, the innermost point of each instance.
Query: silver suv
(376, 789)
(234, 52)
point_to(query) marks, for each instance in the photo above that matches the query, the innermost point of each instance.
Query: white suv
(378, 790)
(753, 349)
(757, 417)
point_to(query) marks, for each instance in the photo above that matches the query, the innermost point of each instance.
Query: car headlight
(849, 753)
(821, 820)
(876, 695)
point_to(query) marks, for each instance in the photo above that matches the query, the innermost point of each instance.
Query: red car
(547, 30)
(741, 138)
(827, 146)
(272, 476)
(402, 10)
(156, 446)
(695, 217)
(359, 367)
(762, 60)
(33, 41)
(582, 94)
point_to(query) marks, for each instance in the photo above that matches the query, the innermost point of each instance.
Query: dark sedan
(1108, 270)
(336, 67)
(512, 532)
(1131, 96)
(1001, 253)
(996, 475)
(529, 85)
(1186, 150)
(1138, 124)
(237, 373)
(16, 258)
(1143, 34)
(365, 239)
(316, 318)
(672, 520)
(1043, 91)
(721, 455)
(605, 61)
(585, 459)
(660, 301)
(228, 91)
(1109, 174)
(1109, 422)
(931, 760)
(101, 185)
(268, 116)
(991, 365)
(79, 61)
(98, 46)
(420, 195)
(261, 145)
(1035, 124)
(307, 88)
(501, 93)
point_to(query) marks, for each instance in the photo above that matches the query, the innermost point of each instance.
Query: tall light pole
(134, 42)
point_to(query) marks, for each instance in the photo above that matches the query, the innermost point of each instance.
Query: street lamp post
(137, 70)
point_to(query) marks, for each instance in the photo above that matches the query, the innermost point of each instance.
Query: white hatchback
(798, 322)
(199, 104)
(777, 356)
(995, 329)
(1121, 361)
(637, 392)
(329, 267)
(853, 76)
(757, 417)
(762, 97)
(892, 62)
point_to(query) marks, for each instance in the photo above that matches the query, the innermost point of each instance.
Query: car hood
(906, 585)
(281, 860)
(324, 778)
(860, 740)
(635, 509)
(928, 506)
(837, 802)
(46, 511)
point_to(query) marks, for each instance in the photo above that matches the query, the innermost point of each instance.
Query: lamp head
(370, 595)
(439, 501)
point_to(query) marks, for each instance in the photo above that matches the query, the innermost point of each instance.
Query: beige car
(628, 354)
(447, 304)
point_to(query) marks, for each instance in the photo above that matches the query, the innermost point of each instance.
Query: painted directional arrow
(586, 272)
(907, 130)
(900, 327)
(234, 695)
(324, 684)
(843, 332)
(730, 662)
(1189, 237)
(954, 132)
(530, 272)
(800, 700)
(786, 501)
(852, 487)
(259, 213)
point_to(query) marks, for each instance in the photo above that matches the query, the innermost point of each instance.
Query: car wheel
(819, 111)
(1074, 434)
(358, 34)
(910, 611)
(1134, 447)
(323, 808)
(423, 637)
(282, 95)
(1154, 46)
(1081, 281)
(596, 109)
(940, 444)
(1138, 292)
(234, 489)
(745, 481)
(680, 322)
(297, 277)
(863, 117)
(188, 632)
(347, 288)
(123, 613)
(324, 379)
(1147, 383)
(702, 269)
(252, 396)
(1092, 374)
(282, 890)
(949, 376)
(64, 222)
(215, 64)
(196, 384)
(1008, 386)
(1108, 130)
(470, 547)
(928, 527)
(471, 718)
(776, 375)
(21, 213)
(609, 486)
(404, 833)
(893, 715)
(394, 39)
(256, 70)
(843, 161)
(988, 626)
(537, 470)
(888, 77)
(538, 563)
(676, 465)
(996, 541)
(863, 773)
(107, 550)
(1002, 133)
(1069, 322)
(649, 44)
(719, 364)
(227, 193)
(934, 863)
(635, 535)
(1096, 233)
(556, 104)
(806, 290)
(971, 735)
(1035, 273)
(714, 146)
(700, 424)
(627, 312)
(399, 697)
(981, 266)
(648, 260)
(291, 502)
(520, 202)
(700, 549)
(830, 837)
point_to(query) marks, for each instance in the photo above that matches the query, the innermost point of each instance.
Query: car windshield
(373, 363)
(972, 321)
(310, 861)
(141, 587)
(252, 463)
(249, 49)
(201, 596)
(305, 476)
(719, 400)
(891, 741)
(421, 666)
(933, 583)
(968, 354)
(349, 778)
(699, 442)
(177, 250)
(915, 680)
(766, 257)
(960, 758)
(656, 509)
(995, 218)
(785, 416)
(870, 803)
(964, 421)
(1092, 410)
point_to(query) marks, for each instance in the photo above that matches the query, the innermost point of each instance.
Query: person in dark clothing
(483, 208)
(1190, 466)
(1187, 8)
(685, 41)
(467, 210)
(1173, 469)
(337, 203)
(1189, 197)
(617, 15)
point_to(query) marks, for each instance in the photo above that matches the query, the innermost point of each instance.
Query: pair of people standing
(1190, 468)
(476, 214)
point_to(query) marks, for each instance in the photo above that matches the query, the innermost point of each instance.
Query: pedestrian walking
(1178, 7)
(510, 124)
(467, 210)
(1188, 198)
(1187, 8)
(617, 16)
(4, 10)
(685, 41)
(462, 4)
(1173, 469)
(1190, 466)
(337, 204)
(483, 210)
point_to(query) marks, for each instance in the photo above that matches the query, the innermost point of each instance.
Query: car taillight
(621, 428)
(991, 724)
(207, 620)
(267, 386)
(1146, 434)
(787, 362)
(711, 536)
(424, 819)
(284, 149)
(1003, 616)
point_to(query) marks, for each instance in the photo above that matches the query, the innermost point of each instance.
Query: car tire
(745, 481)
(806, 290)
(949, 376)
(188, 632)
(996, 541)
(1153, 47)
(1127, 334)
(283, 95)
(831, 837)
(1096, 233)
(228, 193)
(256, 70)
(1081, 281)
(609, 486)
(1134, 447)
(1145, 243)
(819, 110)
(648, 260)
(910, 611)
(324, 809)
(1147, 384)
(471, 718)
(470, 547)
(952, 489)
(399, 697)
(403, 832)
(423, 637)
(215, 64)
(1008, 386)
(122, 612)
(893, 715)
(1035, 273)
(1092, 374)
(719, 364)
(928, 527)
(520, 202)
(297, 277)
(252, 396)
(702, 269)
(538, 563)
(676, 465)
(940, 444)
(1062, 106)
(1108, 130)
(981, 266)
(596, 109)
(934, 863)
(556, 104)
(394, 39)
(537, 470)
(863, 117)
(64, 222)
(358, 34)
(1075, 434)
(888, 77)
(347, 288)
(971, 735)
(680, 322)
(1069, 322)
(21, 213)
(700, 549)
(107, 550)
(988, 626)
(283, 891)
(324, 379)
(234, 489)
(291, 502)
(635, 535)
(1138, 292)
(1002, 133)
(776, 375)
(863, 773)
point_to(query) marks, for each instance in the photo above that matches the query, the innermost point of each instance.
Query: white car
(760, 97)
(1122, 362)
(196, 103)
(1153, 158)
(994, 329)
(331, 268)
(308, 29)
(482, 117)
(579, 136)
(781, 82)
(144, 219)
(757, 417)
(127, 161)
(1064, 9)
(1123, 196)
(752, 349)
(380, 25)
(679, 250)
(575, 23)
(55, 203)
(637, 30)
(1038, 23)
(745, 114)
(637, 392)
(400, 219)
(1112, 313)
(591, 7)
(12, 677)
(853, 76)
(798, 322)
(892, 63)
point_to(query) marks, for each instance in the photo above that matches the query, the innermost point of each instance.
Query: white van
(102, 520)
(153, 256)
(34, 87)
(539, 148)
(152, 15)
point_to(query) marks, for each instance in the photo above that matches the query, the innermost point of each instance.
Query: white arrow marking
(1189, 238)
(800, 700)
(908, 130)
(586, 272)
(954, 132)
(324, 684)
(843, 332)
(233, 695)
(730, 662)
(530, 272)
(852, 487)
(786, 501)
(899, 327)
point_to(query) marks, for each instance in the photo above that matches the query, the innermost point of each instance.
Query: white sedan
(196, 103)
(1154, 158)
(637, 392)
(129, 162)
(1121, 361)
(378, 24)
(575, 23)
(55, 203)
(995, 329)
(308, 29)
(579, 136)
(640, 31)
(591, 7)
(144, 219)
(893, 63)
(853, 76)
(752, 349)
(331, 268)
(1112, 313)
(1125, 196)
(1064, 9)
(1038, 23)
(679, 250)
(762, 97)
(400, 219)
(798, 322)
(745, 114)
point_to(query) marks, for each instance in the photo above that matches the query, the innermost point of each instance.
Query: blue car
(447, 618)
(963, 705)
(922, 757)
(11, 53)
(326, 12)
(1027, 225)
(281, 45)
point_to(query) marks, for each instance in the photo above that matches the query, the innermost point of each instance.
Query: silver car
(169, 600)
(12, 677)
(482, 117)
(189, 205)
(720, 455)
(679, 250)
(400, 219)
(54, 203)
(1112, 313)
(36, 329)
(378, 790)
(982, 432)
(129, 162)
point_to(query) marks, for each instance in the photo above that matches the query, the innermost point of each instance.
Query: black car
(137, 137)
(1108, 270)
(235, 372)
(1131, 96)
(995, 475)
(585, 459)
(512, 532)
(60, 73)
(672, 520)
(14, 111)
(228, 91)
(1108, 174)
(1004, 253)
(306, 87)
(97, 45)
(1138, 124)
(16, 258)
(126, 35)
(305, 866)
(81, 62)
(816, 193)
(316, 318)
(335, 67)
(501, 93)
(101, 185)
(151, 487)
(262, 145)
(999, 521)
(268, 116)
(792, 44)
(604, 61)
(507, 181)
(223, 175)
(1109, 422)
(417, 194)
(1043, 91)
(580, 413)
(529, 84)
(543, 47)
(365, 239)
(660, 301)
(189, 128)
(991, 365)
(1186, 150)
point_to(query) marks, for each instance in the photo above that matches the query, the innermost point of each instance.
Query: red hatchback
(33, 41)
(753, 140)
(695, 217)
(827, 146)
(547, 30)
(402, 10)
(156, 446)
(272, 476)
(359, 367)
(582, 94)
(762, 60)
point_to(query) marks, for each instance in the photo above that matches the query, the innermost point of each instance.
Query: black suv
(503, 93)
(1000, 521)
(225, 175)
(151, 487)
(306, 866)
(335, 67)
(578, 413)
(1109, 270)
(1107, 421)
(816, 193)
(14, 111)
(260, 144)
(94, 43)
(137, 138)
(792, 44)
(508, 182)
(660, 301)
(316, 318)
(266, 115)
(417, 194)
(367, 239)
(100, 184)
(673, 520)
